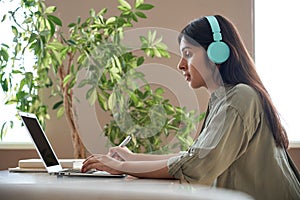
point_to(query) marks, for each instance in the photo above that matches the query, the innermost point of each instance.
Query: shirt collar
(217, 95)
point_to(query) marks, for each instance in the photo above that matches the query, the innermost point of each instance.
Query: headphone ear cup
(218, 52)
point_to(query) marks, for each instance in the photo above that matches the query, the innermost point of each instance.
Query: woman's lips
(187, 77)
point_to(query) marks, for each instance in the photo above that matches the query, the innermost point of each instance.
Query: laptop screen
(40, 141)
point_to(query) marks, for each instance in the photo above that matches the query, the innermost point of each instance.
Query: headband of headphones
(217, 51)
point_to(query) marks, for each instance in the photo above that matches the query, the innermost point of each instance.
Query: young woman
(242, 145)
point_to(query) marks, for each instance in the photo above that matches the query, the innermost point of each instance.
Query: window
(8, 112)
(276, 52)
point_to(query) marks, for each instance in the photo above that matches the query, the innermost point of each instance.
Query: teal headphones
(217, 51)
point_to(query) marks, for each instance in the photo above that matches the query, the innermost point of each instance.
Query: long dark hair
(239, 68)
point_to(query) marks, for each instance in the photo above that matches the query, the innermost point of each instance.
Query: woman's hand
(143, 169)
(102, 163)
(121, 153)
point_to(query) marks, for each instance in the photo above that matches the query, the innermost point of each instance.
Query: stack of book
(37, 165)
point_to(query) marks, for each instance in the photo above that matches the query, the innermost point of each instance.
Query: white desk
(43, 186)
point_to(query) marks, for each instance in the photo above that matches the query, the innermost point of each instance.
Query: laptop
(47, 153)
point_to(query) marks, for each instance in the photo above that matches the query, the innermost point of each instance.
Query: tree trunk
(78, 147)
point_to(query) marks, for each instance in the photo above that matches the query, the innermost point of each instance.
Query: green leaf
(140, 61)
(169, 109)
(134, 17)
(3, 18)
(50, 9)
(5, 127)
(14, 30)
(55, 45)
(33, 36)
(117, 62)
(143, 40)
(151, 36)
(45, 32)
(110, 20)
(57, 56)
(111, 101)
(72, 82)
(92, 13)
(5, 45)
(52, 27)
(83, 83)
(16, 72)
(159, 91)
(29, 3)
(54, 19)
(11, 101)
(138, 3)
(92, 95)
(125, 4)
(157, 41)
(4, 85)
(122, 8)
(102, 101)
(60, 112)
(157, 53)
(201, 116)
(4, 54)
(28, 20)
(57, 104)
(102, 12)
(144, 7)
(66, 79)
(72, 42)
(134, 98)
(71, 25)
(141, 15)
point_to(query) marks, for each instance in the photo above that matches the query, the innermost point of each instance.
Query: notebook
(47, 153)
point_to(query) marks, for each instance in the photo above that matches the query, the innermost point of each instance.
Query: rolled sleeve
(175, 163)
(204, 165)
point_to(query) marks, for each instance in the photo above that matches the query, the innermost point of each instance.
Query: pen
(123, 143)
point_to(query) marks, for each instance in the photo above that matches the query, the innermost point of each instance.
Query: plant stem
(79, 149)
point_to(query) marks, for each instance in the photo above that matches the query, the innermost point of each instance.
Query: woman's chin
(193, 85)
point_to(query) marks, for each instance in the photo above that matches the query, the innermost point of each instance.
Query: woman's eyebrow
(186, 47)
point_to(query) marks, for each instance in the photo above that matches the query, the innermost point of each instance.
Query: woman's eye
(187, 54)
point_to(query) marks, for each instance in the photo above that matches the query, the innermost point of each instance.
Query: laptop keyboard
(79, 171)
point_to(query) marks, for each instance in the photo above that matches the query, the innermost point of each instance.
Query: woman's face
(195, 65)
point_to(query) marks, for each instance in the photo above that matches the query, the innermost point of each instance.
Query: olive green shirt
(236, 150)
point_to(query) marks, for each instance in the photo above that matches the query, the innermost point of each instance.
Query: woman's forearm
(142, 169)
(151, 157)
(125, 154)
(146, 169)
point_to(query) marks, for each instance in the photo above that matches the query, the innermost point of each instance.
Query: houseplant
(94, 45)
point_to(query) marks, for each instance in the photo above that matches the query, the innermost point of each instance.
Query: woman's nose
(182, 65)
